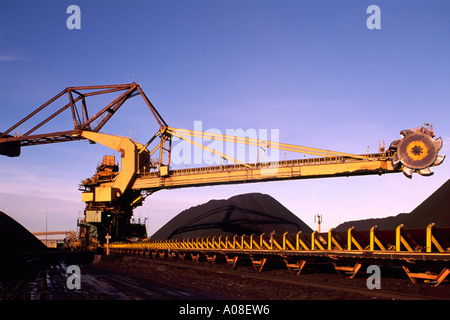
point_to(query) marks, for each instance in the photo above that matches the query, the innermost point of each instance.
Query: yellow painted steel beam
(203, 177)
(124, 179)
(374, 240)
(315, 243)
(351, 240)
(432, 240)
(332, 241)
(130, 152)
(399, 239)
(300, 244)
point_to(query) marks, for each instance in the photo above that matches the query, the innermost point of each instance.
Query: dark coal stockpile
(16, 241)
(436, 208)
(252, 213)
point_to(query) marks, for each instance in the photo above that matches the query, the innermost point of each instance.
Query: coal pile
(16, 242)
(252, 213)
(436, 208)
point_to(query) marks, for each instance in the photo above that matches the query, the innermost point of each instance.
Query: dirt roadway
(274, 283)
(97, 283)
(137, 278)
(133, 280)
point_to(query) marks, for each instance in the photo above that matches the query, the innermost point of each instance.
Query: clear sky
(311, 69)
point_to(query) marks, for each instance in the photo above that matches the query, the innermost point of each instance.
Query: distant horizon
(311, 225)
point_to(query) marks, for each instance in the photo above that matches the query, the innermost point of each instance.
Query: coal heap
(252, 213)
(16, 241)
(436, 208)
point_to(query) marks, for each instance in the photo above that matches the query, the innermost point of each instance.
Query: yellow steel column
(429, 236)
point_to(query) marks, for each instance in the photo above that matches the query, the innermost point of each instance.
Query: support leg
(232, 261)
(258, 264)
(436, 279)
(352, 271)
(296, 267)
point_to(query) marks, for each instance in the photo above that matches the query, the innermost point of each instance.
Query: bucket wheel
(417, 151)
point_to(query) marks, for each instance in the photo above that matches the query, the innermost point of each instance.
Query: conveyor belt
(427, 250)
(376, 163)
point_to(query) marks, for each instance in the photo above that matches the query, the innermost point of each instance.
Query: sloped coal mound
(16, 241)
(252, 213)
(436, 208)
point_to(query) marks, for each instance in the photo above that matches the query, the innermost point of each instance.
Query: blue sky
(311, 69)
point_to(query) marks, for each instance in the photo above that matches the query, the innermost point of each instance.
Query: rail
(276, 164)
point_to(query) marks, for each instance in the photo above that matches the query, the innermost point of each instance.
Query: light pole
(318, 220)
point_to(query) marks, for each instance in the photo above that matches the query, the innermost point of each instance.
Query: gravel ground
(138, 278)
